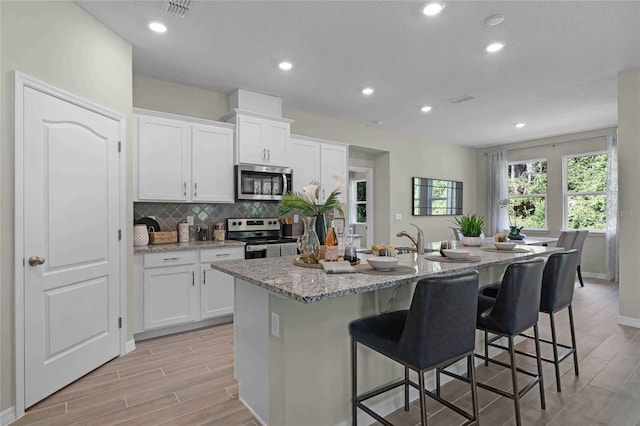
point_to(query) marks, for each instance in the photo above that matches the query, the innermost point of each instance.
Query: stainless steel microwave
(262, 182)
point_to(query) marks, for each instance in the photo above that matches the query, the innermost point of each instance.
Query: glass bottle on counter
(331, 242)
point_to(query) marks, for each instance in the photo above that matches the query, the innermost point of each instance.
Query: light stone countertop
(191, 245)
(308, 285)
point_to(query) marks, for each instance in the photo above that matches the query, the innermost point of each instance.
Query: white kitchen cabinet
(183, 159)
(170, 294)
(217, 288)
(163, 159)
(261, 139)
(316, 160)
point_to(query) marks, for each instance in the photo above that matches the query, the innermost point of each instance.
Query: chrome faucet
(418, 242)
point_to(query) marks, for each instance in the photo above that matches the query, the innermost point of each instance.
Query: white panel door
(304, 158)
(333, 161)
(163, 159)
(71, 221)
(169, 296)
(276, 142)
(251, 149)
(211, 164)
(216, 293)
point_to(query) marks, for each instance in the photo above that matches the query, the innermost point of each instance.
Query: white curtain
(612, 208)
(497, 219)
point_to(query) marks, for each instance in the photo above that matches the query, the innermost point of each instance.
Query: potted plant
(471, 227)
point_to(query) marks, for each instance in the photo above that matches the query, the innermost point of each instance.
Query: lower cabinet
(176, 288)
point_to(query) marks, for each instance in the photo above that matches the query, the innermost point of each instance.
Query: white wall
(628, 193)
(56, 42)
(593, 253)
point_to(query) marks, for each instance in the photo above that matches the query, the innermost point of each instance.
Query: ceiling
(557, 71)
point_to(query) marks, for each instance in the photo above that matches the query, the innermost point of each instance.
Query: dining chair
(577, 244)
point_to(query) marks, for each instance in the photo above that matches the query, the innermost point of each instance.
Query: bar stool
(438, 329)
(558, 282)
(512, 311)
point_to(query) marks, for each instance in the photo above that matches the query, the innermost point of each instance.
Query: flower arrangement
(524, 209)
(306, 202)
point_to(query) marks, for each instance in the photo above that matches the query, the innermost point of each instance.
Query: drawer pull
(204, 277)
(170, 259)
(223, 254)
(193, 278)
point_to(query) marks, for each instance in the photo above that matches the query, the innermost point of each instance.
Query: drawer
(170, 258)
(223, 253)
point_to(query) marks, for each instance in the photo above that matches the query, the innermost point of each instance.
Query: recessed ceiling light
(494, 47)
(433, 9)
(519, 125)
(285, 66)
(158, 27)
(367, 91)
(426, 108)
(494, 20)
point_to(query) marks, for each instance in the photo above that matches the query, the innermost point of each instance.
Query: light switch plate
(275, 325)
(398, 216)
(295, 218)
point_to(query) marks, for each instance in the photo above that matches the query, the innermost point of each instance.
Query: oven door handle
(284, 183)
(256, 247)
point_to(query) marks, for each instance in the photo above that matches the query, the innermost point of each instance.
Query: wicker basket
(166, 237)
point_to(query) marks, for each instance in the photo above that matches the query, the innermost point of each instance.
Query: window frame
(544, 196)
(566, 194)
(355, 203)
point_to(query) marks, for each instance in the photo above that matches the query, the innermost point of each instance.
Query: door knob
(36, 260)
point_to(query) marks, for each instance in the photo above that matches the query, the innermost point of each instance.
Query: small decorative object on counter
(203, 232)
(140, 235)
(331, 242)
(183, 232)
(500, 237)
(471, 228)
(308, 243)
(218, 232)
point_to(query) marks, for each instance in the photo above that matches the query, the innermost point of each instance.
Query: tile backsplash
(168, 215)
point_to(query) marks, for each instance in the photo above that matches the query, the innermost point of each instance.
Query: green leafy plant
(306, 202)
(470, 224)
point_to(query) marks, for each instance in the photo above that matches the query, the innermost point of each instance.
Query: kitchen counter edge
(191, 245)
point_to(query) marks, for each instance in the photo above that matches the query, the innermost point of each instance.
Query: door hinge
(119, 234)
(119, 146)
(120, 322)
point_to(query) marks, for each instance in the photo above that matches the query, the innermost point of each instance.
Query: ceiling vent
(178, 8)
(460, 99)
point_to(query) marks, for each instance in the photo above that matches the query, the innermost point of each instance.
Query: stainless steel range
(262, 237)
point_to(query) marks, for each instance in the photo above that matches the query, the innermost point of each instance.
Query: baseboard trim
(252, 412)
(130, 346)
(8, 416)
(144, 335)
(629, 321)
(594, 275)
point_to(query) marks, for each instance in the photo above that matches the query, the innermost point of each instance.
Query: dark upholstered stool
(512, 311)
(558, 282)
(438, 329)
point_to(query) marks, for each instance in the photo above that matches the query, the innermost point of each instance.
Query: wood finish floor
(187, 379)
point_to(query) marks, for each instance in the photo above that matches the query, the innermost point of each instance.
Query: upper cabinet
(318, 160)
(260, 139)
(182, 159)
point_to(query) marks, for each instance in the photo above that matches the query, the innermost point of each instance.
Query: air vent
(460, 99)
(178, 8)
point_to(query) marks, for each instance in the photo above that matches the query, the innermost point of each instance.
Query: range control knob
(239, 223)
(234, 224)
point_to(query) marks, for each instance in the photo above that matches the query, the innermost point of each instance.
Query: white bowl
(382, 263)
(504, 245)
(456, 253)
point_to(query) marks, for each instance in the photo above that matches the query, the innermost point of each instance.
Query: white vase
(140, 235)
(472, 241)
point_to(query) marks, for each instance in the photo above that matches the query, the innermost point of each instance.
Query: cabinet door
(304, 158)
(333, 161)
(211, 164)
(169, 296)
(216, 293)
(276, 142)
(251, 147)
(163, 159)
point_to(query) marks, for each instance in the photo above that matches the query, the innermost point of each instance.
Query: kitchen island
(291, 335)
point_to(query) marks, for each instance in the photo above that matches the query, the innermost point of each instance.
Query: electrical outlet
(275, 325)
(190, 220)
(398, 216)
(295, 218)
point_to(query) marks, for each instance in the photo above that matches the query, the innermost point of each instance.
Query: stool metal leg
(486, 348)
(354, 383)
(514, 381)
(543, 404)
(423, 399)
(406, 388)
(554, 343)
(573, 341)
(474, 388)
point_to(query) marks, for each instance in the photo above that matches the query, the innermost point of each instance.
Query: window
(360, 201)
(528, 194)
(585, 186)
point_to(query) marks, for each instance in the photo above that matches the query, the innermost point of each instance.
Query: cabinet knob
(185, 188)
(195, 189)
